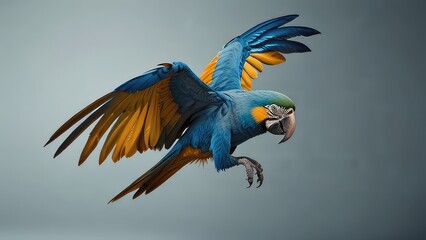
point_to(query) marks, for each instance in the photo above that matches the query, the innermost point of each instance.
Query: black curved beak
(283, 126)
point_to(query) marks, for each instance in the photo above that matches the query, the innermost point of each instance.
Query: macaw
(209, 116)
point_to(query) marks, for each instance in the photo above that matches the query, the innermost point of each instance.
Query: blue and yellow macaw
(209, 116)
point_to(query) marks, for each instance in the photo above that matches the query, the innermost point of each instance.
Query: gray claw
(259, 171)
(251, 164)
(250, 181)
(259, 179)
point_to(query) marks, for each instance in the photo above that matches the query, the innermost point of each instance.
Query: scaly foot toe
(250, 165)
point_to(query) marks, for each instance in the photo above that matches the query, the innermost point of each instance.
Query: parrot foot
(251, 165)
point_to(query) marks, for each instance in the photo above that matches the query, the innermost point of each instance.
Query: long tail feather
(148, 176)
(156, 182)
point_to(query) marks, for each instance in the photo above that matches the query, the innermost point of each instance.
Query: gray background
(355, 168)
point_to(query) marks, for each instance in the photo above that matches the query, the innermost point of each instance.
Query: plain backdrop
(355, 168)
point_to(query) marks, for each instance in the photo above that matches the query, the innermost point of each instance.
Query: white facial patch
(277, 112)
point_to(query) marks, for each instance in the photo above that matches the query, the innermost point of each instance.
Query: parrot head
(275, 111)
(280, 121)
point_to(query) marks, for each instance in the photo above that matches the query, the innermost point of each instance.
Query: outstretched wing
(147, 112)
(241, 59)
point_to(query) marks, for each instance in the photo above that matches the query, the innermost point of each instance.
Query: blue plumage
(264, 37)
(151, 77)
(169, 106)
(284, 33)
(267, 25)
(226, 65)
(283, 46)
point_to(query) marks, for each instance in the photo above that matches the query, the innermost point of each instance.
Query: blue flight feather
(264, 37)
(284, 33)
(255, 31)
(283, 46)
(214, 119)
(145, 80)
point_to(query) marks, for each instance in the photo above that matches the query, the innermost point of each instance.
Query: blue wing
(147, 112)
(239, 61)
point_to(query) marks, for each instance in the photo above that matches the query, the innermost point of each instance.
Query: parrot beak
(282, 126)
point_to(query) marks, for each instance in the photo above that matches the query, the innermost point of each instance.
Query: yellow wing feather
(207, 74)
(255, 63)
(112, 137)
(251, 71)
(140, 121)
(102, 126)
(269, 58)
(246, 82)
(155, 120)
(81, 114)
(132, 143)
(251, 67)
(129, 146)
(121, 142)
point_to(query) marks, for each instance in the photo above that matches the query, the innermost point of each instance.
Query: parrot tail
(163, 170)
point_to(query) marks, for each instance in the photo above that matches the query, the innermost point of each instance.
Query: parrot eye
(276, 112)
(273, 108)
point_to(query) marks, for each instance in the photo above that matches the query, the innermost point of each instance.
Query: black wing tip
(316, 31)
(310, 32)
(57, 153)
(291, 16)
(307, 49)
(288, 18)
(82, 159)
(139, 192)
(304, 50)
(49, 141)
(117, 197)
(300, 47)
